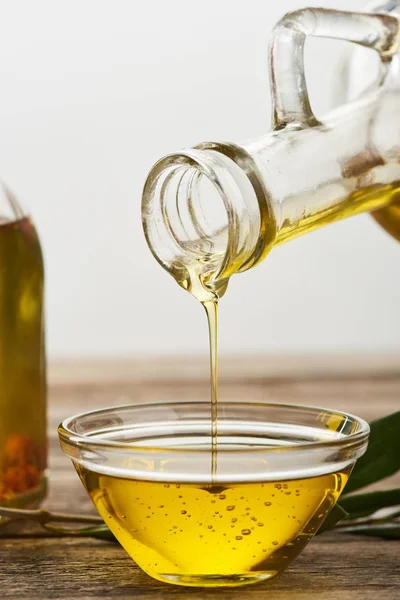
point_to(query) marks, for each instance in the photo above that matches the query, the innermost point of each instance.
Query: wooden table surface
(333, 566)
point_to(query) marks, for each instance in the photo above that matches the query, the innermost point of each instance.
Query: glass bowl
(279, 470)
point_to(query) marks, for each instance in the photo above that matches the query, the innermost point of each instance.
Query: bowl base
(215, 580)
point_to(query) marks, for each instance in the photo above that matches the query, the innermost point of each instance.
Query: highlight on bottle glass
(148, 470)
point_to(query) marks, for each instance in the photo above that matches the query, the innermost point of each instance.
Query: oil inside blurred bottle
(23, 444)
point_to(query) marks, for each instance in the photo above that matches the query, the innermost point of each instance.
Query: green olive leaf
(384, 530)
(382, 457)
(100, 532)
(363, 505)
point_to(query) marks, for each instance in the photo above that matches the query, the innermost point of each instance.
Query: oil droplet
(275, 543)
(238, 537)
(246, 531)
(183, 512)
(230, 507)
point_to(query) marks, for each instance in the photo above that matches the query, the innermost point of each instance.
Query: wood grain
(333, 566)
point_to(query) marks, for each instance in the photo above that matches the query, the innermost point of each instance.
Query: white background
(92, 93)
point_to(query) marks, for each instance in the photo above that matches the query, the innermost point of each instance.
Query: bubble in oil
(238, 537)
(267, 503)
(234, 520)
(246, 531)
(230, 507)
(275, 543)
(183, 512)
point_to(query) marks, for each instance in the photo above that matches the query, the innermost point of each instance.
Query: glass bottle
(219, 208)
(23, 444)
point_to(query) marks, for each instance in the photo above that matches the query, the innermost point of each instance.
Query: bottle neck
(205, 216)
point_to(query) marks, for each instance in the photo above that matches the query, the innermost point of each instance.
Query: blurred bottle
(23, 442)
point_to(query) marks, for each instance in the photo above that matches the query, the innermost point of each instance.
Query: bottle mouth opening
(200, 217)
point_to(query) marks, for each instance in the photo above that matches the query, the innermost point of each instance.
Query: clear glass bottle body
(219, 208)
(23, 437)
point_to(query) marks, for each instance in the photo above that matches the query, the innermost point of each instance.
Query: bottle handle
(290, 100)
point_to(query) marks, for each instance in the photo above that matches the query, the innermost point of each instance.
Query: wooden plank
(331, 567)
(232, 368)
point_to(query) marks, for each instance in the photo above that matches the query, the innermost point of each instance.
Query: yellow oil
(213, 535)
(383, 201)
(23, 447)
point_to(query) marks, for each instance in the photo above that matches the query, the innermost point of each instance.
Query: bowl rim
(352, 440)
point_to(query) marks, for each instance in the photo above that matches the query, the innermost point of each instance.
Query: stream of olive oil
(211, 308)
